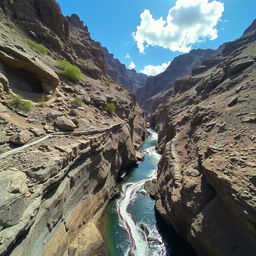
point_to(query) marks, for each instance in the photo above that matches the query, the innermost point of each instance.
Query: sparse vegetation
(71, 72)
(77, 101)
(111, 107)
(18, 102)
(107, 83)
(42, 102)
(37, 47)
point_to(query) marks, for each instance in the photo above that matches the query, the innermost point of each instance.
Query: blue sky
(190, 24)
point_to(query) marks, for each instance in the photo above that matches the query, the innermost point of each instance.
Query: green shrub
(63, 64)
(71, 72)
(18, 102)
(111, 107)
(77, 101)
(37, 47)
(108, 83)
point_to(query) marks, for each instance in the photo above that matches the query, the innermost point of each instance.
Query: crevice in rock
(51, 190)
(19, 239)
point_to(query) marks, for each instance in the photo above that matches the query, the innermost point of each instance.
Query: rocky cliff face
(180, 66)
(67, 38)
(130, 79)
(60, 160)
(206, 177)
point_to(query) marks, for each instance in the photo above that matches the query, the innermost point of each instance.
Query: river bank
(130, 223)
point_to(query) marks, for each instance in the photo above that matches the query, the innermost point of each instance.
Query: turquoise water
(141, 208)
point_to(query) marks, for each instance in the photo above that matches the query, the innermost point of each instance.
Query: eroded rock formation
(130, 79)
(206, 178)
(180, 66)
(60, 160)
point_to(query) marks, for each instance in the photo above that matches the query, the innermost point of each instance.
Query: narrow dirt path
(90, 132)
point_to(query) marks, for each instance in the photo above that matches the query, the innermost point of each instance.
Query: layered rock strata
(206, 177)
(117, 71)
(180, 66)
(60, 156)
(46, 204)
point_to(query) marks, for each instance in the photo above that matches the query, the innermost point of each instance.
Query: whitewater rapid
(138, 240)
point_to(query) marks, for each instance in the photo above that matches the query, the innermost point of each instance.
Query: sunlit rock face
(61, 157)
(206, 176)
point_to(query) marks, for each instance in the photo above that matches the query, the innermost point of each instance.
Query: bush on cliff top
(37, 47)
(71, 72)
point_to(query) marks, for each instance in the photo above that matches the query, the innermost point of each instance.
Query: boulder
(150, 187)
(65, 124)
(99, 100)
(115, 192)
(131, 253)
(86, 99)
(144, 228)
(36, 131)
(21, 138)
(154, 240)
(53, 115)
(139, 156)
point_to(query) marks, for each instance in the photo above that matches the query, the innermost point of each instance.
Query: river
(122, 229)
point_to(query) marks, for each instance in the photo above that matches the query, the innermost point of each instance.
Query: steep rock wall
(130, 79)
(206, 177)
(55, 204)
(60, 158)
(180, 66)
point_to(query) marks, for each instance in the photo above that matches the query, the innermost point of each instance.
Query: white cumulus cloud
(188, 22)
(152, 70)
(132, 65)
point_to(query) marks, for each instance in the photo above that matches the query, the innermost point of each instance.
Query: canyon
(61, 160)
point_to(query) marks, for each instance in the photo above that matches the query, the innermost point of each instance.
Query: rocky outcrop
(130, 79)
(41, 19)
(60, 159)
(50, 14)
(206, 177)
(65, 124)
(67, 37)
(64, 193)
(180, 66)
(85, 52)
(18, 60)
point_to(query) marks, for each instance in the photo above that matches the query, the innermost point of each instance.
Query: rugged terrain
(59, 162)
(206, 177)
(130, 79)
(157, 85)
